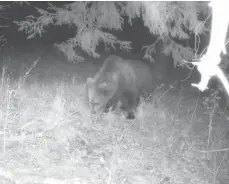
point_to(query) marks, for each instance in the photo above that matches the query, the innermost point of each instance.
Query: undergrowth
(48, 136)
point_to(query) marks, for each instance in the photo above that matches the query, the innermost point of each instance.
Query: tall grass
(49, 136)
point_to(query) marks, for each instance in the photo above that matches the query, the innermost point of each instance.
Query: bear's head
(99, 94)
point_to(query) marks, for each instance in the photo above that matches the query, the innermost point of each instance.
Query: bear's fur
(122, 81)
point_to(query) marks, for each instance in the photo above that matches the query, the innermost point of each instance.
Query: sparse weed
(48, 132)
(212, 101)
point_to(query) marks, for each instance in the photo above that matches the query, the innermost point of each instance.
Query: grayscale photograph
(114, 92)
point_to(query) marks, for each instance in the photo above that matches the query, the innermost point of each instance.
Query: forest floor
(48, 136)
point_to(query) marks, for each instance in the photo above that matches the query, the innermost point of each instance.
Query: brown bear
(122, 81)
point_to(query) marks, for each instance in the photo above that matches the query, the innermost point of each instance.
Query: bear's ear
(90, 81)
(115, 77)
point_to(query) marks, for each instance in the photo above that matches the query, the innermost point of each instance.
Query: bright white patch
(89, 94)
(208, 66)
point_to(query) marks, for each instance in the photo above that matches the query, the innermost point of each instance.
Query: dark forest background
(47, 133)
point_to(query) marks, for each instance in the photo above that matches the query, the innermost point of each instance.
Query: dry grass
(48, 136)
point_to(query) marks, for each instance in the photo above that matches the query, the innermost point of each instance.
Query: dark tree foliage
(93, 22)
